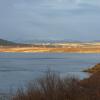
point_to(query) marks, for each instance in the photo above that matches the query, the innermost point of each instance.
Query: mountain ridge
(6, 42)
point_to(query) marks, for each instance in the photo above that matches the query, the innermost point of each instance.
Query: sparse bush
(53, 87)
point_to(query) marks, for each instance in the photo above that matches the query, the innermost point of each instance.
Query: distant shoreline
(43, 49)
(54, 47)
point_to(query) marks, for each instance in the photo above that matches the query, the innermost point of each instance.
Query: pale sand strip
(50, 50)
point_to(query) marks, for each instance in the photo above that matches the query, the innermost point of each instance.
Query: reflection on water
(16, 69)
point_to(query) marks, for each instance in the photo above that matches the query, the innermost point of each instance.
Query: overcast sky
(50, 19)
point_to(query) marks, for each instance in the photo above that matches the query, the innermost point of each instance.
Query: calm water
(16, 69)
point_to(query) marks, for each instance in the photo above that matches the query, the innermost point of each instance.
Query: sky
(50, 20)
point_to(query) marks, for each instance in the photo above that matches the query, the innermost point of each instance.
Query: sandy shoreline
(50, 50)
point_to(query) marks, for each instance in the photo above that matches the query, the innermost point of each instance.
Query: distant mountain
(48, 41)
(6, 42)
(96, 41)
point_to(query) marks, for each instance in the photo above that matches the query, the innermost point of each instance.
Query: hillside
(6, 42)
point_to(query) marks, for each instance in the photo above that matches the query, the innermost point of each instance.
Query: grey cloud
(49, 19)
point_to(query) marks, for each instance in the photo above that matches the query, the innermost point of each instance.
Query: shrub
(52, 87)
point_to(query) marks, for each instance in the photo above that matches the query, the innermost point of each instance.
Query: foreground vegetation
(53, 87)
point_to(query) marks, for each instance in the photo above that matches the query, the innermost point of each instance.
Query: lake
(17, 69)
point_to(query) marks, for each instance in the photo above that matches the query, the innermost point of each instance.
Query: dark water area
(17, 69)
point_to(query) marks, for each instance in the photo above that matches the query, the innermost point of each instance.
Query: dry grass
(94, 69)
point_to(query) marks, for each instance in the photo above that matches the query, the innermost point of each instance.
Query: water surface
(17, 69)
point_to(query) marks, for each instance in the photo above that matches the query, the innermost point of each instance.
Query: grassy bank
(94, 69)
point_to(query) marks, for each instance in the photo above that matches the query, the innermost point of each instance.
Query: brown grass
(94, 69)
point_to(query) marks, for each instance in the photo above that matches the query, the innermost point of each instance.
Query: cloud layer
(50, 19)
